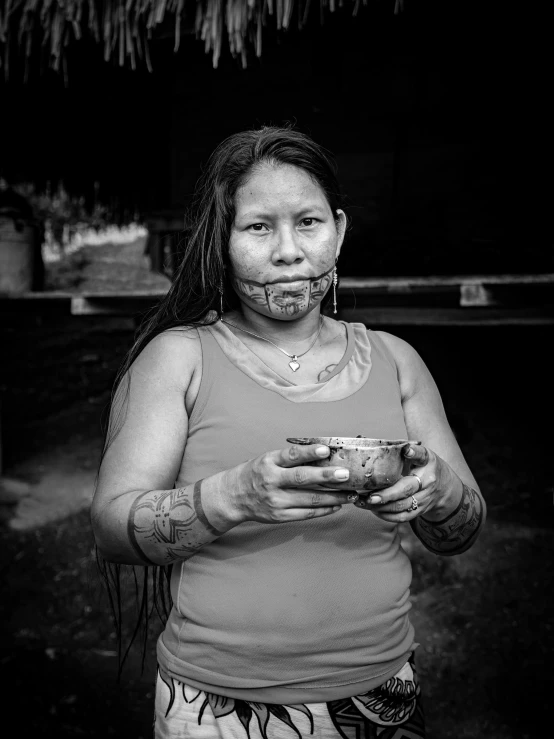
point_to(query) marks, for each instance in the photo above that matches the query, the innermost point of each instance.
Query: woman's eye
(307, 221)
(258, 227)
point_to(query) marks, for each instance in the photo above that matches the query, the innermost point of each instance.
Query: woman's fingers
(299, 454)
(321, 476)
(299, 514)
(418, 455)
(408, 496)
(398, 497)
(401, 490)
(314, 499)
(397, 511)
(296, 460)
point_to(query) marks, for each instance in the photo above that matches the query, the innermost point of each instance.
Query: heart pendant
(294, 365)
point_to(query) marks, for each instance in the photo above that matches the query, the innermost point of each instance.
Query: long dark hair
(203, 269)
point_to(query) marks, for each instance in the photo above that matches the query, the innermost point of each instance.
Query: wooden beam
(455, 300)
(115, 304)
(409, 282)
(54, 303)
(439, 316)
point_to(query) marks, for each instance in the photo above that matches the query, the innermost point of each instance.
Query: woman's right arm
(140, 518)
(147, 436)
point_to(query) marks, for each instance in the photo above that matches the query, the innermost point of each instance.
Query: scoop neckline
(348, 352)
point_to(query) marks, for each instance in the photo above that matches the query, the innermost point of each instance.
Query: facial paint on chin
(278, 299)
(319, 287)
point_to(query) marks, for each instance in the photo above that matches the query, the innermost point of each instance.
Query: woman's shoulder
(411, 367)
(400, 349)
(174, 354)
(393, 343)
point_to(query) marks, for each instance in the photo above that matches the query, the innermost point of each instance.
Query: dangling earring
(335, 280)
(221, 298)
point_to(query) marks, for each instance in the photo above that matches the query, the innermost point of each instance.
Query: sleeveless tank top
(305, 611)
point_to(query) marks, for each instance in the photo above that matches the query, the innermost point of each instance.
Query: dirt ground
(484, 620)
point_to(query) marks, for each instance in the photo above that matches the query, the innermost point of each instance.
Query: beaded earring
(335, 280)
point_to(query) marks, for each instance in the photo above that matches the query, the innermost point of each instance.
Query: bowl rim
(304, 440)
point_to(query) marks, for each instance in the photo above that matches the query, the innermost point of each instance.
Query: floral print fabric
(391, 711)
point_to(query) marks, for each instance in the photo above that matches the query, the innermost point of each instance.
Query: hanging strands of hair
(42, 30)
(145, 592)
(136, 595)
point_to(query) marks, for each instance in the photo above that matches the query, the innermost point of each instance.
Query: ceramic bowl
(373, 463)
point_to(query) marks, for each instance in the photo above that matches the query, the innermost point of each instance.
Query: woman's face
(284, 242)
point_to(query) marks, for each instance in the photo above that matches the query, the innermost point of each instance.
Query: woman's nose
(287, 248)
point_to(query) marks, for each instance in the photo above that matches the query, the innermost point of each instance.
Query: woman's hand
(418, 492)
(279, 487)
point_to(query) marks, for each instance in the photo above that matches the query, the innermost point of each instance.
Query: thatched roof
(125, 27)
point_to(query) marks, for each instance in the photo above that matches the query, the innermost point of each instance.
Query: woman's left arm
(439, 497)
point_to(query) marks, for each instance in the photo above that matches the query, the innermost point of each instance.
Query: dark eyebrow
(255, 215)
(310, 209)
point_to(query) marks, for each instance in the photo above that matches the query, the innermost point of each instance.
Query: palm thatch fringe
(125, 27)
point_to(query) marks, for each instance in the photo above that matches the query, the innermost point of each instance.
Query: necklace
(294, 364)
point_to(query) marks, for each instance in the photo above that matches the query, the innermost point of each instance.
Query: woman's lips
(288, 299)
(290, 287)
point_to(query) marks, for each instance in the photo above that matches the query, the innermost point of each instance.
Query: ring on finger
(353, 497)
(418, 478)
(415, 504)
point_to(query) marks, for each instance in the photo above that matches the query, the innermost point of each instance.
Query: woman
(290, 592)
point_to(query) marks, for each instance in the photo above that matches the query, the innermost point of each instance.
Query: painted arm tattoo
(458, 531)
(169, 525)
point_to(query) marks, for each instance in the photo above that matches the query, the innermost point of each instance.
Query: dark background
(433, 115)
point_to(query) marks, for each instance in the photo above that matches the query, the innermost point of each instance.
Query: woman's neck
(295, 331)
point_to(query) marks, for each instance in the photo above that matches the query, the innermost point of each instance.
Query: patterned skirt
(391, 711)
